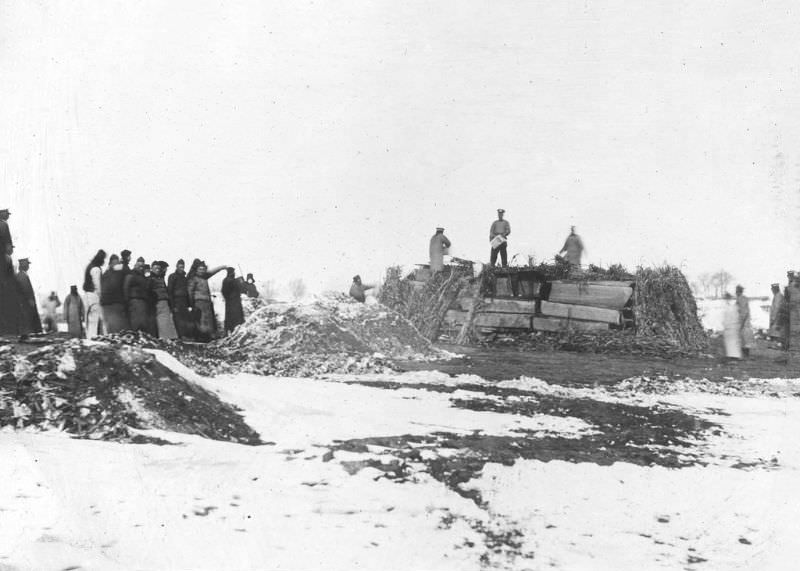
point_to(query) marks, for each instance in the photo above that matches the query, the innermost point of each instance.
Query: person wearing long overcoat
(439, 243)
(178, 294)
(165, 326)
(12, 320)
(30, 307)
(202, 305)
(745, 327)
(232, 290)
(73, 313)
(777, 328)
(112, 298)
(573, 246)
(137, 297)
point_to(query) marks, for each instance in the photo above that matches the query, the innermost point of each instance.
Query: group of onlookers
(121, 296)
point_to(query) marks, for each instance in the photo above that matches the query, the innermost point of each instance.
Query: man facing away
(232, 290)
(357, 289)
(498, 238)
(573, 246)
(29, 304)
(439, 243)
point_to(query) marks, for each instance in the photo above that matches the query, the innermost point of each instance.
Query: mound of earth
(334, 334)
(101, 391)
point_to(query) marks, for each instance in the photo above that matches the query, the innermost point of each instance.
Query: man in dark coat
(112, 298)
(5, 233)
(137, 296)
(126, 262)
(232, 291)
(12, 321)
(358, 289)
(29, 304)
(178, 293)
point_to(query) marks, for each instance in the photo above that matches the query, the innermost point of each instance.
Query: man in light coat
(745, 327)
(498, 238)
(573, 246)
(439, 244)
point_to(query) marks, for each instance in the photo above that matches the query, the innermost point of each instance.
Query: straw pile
(664, 307)
(426, 306)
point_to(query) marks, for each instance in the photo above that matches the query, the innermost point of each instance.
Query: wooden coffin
(594, 295)
(559, 324)
(604, 315)
(508, 306)
(503, 320)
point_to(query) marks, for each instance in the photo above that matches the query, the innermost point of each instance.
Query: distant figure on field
(438, 247)
(777, 327)
(357, 289)
(250, 284)
(112, 299)
(745, 328)
(731, 329)
(178, 292)
(232, 290)
(30, 307)
(498, 239)
(73, 313)
(159, 297)
(573, 246)
(51, 305)
(92, 287)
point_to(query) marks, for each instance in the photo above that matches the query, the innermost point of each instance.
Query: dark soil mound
(99, 391)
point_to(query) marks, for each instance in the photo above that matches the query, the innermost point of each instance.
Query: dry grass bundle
(663, 306)
(426, 306)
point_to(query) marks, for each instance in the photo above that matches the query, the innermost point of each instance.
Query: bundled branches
(424, 306)
(664, 307)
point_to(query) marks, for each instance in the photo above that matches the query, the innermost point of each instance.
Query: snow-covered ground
(299, 503)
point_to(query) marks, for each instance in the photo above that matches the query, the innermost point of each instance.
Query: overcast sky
(319, 140)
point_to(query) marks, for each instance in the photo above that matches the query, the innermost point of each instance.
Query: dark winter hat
(163, 264)
(180, 262)
(5, 211)
(739, 288)
(439, 229)
(356, 278)
(126, 253)
(24, 261)
(139, 259)
(500, 211)
(73, 289)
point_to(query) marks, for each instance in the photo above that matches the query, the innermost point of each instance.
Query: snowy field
(324, 495)
(710, 312)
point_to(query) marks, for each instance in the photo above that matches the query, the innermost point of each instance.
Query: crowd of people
(122, 296)
(143, 297)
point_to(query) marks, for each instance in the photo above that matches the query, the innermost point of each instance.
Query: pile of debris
(334, 334)
(425, 304)
(105, 392)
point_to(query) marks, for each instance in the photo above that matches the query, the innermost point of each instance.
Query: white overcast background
(319, 140)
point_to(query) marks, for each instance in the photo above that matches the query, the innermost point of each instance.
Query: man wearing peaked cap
(498, 239)
(438, 246)
(30, 307)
